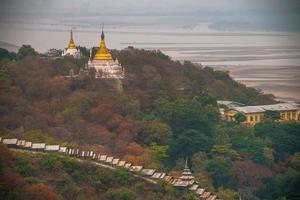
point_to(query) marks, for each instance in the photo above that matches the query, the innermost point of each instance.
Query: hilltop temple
(72, 50)
(106, 67)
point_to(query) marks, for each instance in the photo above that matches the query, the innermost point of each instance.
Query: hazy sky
(127, 7)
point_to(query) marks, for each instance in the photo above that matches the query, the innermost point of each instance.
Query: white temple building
(72, 50)
(104, 64)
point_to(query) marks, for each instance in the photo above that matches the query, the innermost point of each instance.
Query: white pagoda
(186, 179)
(103, 63)
(72, 50)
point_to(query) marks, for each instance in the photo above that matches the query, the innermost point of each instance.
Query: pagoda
(103, 63)
(72, 50)
(186, 179)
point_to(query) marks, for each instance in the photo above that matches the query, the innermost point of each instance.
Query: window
(294, 115)
(251, 118)
(289, 115)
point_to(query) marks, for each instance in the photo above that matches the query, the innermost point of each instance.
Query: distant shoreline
(283, 84)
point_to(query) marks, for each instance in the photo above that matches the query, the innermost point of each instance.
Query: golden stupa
(71, 43)
(102, 53)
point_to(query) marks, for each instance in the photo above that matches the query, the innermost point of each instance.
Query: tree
(54, 52)
(122, 176)
(5, 158)
(226, 151)
(159, 154)
(218, 167)
(125, 194)
(155, 131)
(50, 162)
(157, 88)
(84, 51)
(198, 161)
(11, 185)
(227, 194)
(188, 114)
(5, 54)
(188, 143)
(41, 191)
(271, 115)
(127, 105)
(26, 50)
(285, 137)
(38, 136)
(243, 140)
(5, 81)
(240, 117)
(246, 173)
(134, 149)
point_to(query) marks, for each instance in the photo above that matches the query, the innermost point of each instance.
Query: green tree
(50, 162)
(84, 51)
(5, 54)
(155, 131)
(226, 151)
(125, 194)
(285, 137)
(269, 155)
(240, 117)
(243, 140)
(159, 151)
(122, 176)
(127, 105)
(5, 81)
(219, 167)
(39, 136)
(271, 115)
(185, 114)
(26, 50)
(188, 143)
(227, 194)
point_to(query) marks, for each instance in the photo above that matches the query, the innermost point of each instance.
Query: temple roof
(103, 53)
(71, 43)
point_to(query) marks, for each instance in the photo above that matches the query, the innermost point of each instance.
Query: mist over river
(269, 61)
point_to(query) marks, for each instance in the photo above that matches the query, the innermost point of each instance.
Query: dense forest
(166, 113)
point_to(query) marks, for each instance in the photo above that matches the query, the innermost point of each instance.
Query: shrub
(50, 162)
(122, 176)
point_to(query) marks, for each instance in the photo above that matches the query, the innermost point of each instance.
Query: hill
(55, 177)
(9, 46)
(165, 114)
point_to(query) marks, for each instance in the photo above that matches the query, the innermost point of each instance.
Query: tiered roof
(186, 179)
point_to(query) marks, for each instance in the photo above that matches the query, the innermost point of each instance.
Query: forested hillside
(56, 177)
(166, 113)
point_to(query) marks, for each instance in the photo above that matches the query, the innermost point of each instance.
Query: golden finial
(102, 33)
(71, 43)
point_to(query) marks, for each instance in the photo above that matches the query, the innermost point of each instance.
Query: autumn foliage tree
(41, 192)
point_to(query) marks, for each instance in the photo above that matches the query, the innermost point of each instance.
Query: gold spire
(71, 43)
(103, 53)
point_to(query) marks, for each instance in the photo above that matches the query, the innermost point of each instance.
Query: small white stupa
(72, 50)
